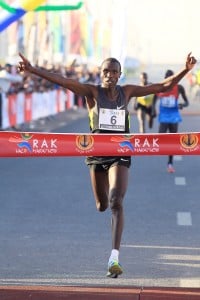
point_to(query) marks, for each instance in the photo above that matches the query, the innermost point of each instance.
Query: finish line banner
(34, 144)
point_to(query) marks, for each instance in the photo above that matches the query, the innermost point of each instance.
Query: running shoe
(114, 269)
(170, 169)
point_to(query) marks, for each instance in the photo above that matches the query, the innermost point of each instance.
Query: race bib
(112, 119)
(169, 101)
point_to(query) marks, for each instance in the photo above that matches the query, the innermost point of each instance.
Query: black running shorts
(104, 163)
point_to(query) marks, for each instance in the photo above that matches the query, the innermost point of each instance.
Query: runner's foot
(114, 269)
(170, 169)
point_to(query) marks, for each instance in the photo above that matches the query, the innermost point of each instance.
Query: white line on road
(180, 257)
(184, 219)
(178, 157)
(160, 247)
(180, 181)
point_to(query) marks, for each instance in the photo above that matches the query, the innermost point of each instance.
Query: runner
(143, 106)
(107, 107)
(169, 116)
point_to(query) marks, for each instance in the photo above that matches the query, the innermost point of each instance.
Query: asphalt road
(51, 233)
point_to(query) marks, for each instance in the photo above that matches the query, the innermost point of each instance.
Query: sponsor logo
(124, 159)
(131, 143)
(124, 142)
(146, 145)
(84, 143)
(27, 143)
(189, 142)
(120, 107)
(23, 142)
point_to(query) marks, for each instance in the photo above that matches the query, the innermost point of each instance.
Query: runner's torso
(168, 111)
(145, 100)
(108, 116)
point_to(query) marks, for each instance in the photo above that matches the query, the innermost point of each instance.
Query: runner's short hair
(111, 60)
(169, 73)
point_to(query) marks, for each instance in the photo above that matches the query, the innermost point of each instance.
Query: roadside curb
(96, 293)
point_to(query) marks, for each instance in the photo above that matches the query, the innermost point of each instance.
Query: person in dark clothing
(107, 106)
(169, 116)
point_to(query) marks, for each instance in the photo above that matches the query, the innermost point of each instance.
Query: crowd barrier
(21, 108)
(27, 144)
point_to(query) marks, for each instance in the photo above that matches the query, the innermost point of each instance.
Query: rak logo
(23, 142)
(84, 142)
(189, 141)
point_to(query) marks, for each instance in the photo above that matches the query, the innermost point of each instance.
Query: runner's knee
(116, 199)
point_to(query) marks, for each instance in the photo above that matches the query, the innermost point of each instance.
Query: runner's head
(110, 72)
(144, 78)
(169, 73)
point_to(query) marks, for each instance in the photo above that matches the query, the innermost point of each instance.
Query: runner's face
(110, 73)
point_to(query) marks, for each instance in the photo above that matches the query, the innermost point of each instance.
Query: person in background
(143, 106)
(107, 105)
(169, 115)
(7, 79)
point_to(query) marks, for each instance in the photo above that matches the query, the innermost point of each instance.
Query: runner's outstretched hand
(24, 65)
(190, 61)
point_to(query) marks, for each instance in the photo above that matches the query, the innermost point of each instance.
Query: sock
(114, 255)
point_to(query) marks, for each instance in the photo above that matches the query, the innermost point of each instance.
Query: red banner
(34, 144)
